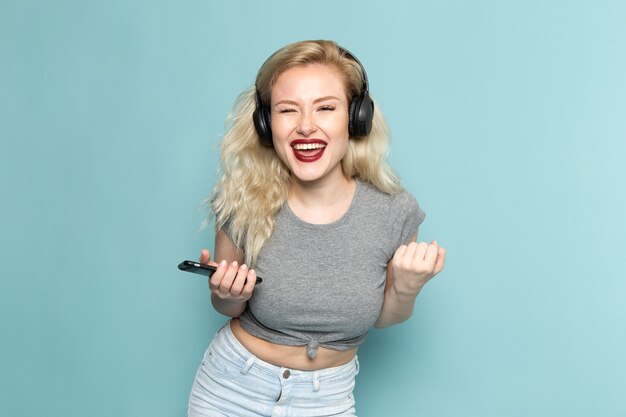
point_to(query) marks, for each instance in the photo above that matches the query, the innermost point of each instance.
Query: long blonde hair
(254, 182)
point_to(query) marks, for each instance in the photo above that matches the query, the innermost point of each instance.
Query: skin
(309, 105)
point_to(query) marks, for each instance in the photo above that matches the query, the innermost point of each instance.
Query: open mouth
(308, 150)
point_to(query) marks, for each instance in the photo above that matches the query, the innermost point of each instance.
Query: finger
(430, 257)
(411, 251)
(239, 280)
(251, 281)
(441, 258)
(216, 279)
(205, 256)
(229, 277)
(400, 252)
(420, 251)
(404, 256)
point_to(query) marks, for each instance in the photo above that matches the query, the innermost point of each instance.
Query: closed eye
(326, 108)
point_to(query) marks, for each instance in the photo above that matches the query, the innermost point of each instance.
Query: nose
(306, 124)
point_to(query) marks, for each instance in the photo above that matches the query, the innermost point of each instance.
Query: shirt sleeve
(227, 227)
(411, 216)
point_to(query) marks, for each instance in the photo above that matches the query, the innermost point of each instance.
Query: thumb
(205, 256)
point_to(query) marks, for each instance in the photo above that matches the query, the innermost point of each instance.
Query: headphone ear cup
(361, 116)
(263, 125)
(352, 114)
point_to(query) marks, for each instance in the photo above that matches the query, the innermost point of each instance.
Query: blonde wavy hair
(254, 182)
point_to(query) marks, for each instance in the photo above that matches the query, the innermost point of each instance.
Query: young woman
(307, 202)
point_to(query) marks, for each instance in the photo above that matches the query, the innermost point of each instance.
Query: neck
(321, 202)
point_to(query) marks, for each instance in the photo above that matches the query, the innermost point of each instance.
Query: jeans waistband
(226, 339)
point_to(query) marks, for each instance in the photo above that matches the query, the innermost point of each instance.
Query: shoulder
(406, 203)
(401, 204)
(399, 212)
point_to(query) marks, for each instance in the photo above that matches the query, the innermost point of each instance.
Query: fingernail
(244, 266)
(223, 263)
(234, 263)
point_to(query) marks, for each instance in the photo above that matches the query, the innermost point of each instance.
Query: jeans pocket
(219, 363)
(335, 392)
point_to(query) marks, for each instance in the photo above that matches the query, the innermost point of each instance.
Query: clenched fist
(415, 264)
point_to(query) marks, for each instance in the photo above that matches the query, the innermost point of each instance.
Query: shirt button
(286, 374)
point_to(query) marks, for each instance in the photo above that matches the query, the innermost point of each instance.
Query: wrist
(228, 307)
(406, 292)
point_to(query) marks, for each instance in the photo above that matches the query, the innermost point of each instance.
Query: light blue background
(509, 125)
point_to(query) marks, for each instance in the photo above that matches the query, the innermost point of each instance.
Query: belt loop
(316, 381)
(247, 366)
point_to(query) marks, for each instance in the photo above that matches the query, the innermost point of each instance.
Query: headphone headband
(349, 54)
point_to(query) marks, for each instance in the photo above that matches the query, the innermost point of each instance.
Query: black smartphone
(203, 269)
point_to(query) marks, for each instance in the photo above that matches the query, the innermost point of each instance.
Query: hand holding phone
(203, 269)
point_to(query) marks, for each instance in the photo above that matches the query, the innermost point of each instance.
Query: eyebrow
(317, 100)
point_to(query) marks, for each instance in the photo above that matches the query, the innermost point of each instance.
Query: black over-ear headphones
(360, 114)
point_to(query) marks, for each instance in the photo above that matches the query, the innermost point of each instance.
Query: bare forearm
(227, 307)
(397, 307)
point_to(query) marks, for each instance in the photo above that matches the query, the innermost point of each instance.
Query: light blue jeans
(231, 381)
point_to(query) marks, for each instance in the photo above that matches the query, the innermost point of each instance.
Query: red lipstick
(308, 150)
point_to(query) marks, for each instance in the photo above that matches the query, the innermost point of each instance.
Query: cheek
(336, 127)
(281, 127)
(344, 147)
(281, 146)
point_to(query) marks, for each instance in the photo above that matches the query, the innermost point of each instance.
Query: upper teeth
(306, 146)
